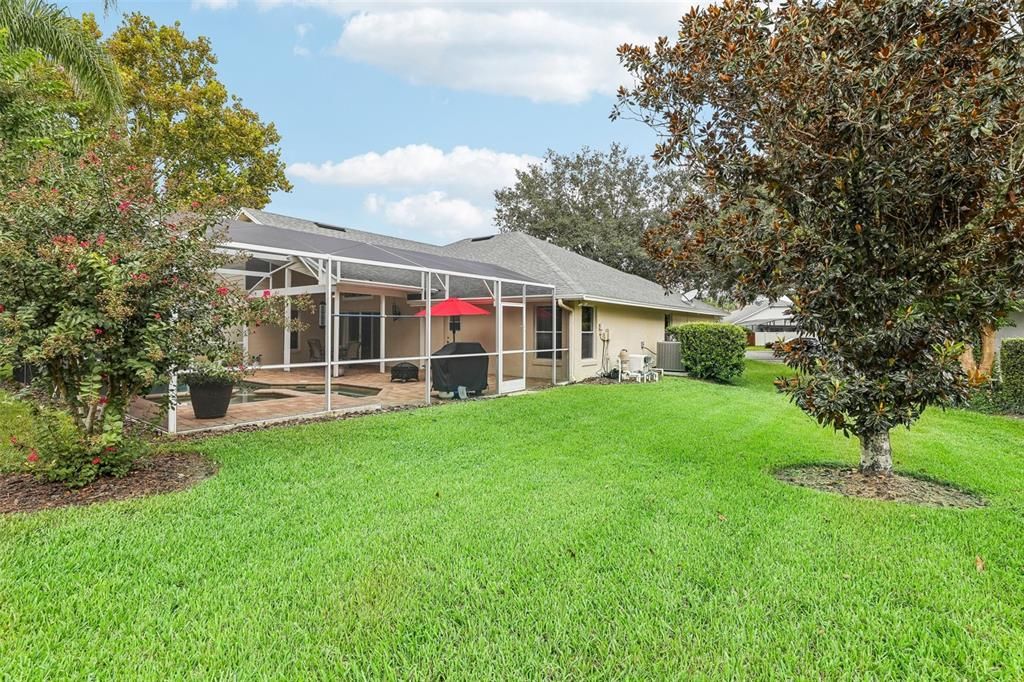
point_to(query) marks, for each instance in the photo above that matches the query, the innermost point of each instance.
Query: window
(587, 327)
(546, 337)
(293, 336)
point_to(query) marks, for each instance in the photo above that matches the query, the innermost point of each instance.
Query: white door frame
(511, 385)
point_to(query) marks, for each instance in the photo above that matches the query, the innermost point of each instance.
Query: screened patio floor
(294, 396)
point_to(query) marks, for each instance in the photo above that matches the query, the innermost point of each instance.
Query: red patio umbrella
(454, 308)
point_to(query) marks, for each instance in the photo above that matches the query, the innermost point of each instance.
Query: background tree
(45, 28)
(201, 141)
(38, 110)
(597, 204)
(863, 158)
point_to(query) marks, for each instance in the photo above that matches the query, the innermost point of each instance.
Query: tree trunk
(980, 373)
(875, 453)
(967, 360)
(988, 351)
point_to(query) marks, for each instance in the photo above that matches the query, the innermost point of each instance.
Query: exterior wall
(628, 327)
(483, 328)
(1013, 332)
(761, 338)
(683, 318)
(631, 328)
(403, 335)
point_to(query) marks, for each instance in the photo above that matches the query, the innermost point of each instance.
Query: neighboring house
(1012, 331)
(765, 321)
(601, 310)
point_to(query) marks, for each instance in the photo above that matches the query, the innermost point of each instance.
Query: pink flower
(96, 461)
(14, 441)
(72, 267)
(266, 293)
(156, 316)
(110, 448)
(101, 239)
(124, 206)
(223, 291)
(33, 456)
(104, 400)
(97, 331)
(131, 167)
(114, 259)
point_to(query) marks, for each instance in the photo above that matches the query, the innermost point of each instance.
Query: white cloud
(302, 29)
(214, 4)
(433, 216)
(526, 52)
(561, 52)
(481, 170)
(300, 51)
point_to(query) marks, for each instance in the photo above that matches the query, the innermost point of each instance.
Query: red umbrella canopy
(453, 307)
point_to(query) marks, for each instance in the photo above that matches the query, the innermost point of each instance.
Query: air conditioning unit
(669, 357)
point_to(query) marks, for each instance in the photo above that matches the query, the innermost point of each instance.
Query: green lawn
(583, 532)
(15, 422)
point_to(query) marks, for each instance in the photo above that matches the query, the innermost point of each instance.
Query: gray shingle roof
(574, 276)
(376, 258)
(288, 222)
(760, 311)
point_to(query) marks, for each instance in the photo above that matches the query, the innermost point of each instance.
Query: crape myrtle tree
(864, 159)
(106, 291)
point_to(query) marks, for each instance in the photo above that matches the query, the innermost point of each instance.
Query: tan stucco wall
(628, 327)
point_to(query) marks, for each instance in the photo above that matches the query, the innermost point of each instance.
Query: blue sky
(403, 118)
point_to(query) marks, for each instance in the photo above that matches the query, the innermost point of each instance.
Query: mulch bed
(892, 488)
(160, 473)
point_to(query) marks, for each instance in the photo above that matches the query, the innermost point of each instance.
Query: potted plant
(210, 385)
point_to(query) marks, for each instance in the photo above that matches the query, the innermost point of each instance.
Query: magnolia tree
(862, 158)
(106, 292)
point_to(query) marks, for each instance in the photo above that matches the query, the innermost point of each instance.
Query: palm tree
(40, 26)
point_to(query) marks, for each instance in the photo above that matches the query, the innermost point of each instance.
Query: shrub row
(1011, 360)
(711, 350)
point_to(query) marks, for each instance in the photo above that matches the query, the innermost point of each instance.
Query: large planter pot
(210, 400)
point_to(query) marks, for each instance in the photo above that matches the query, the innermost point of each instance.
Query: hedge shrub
(711, 350)
(1011, 361)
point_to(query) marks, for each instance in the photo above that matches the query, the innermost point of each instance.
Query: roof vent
(328, 226)
(482, 239)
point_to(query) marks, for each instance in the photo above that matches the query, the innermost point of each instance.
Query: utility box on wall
(668, 356)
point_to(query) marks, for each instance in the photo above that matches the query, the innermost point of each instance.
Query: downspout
(568, 344)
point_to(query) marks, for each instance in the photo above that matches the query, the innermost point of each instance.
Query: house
(548, 315)
(1014, 329)
(765, 321)
(594, 300)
